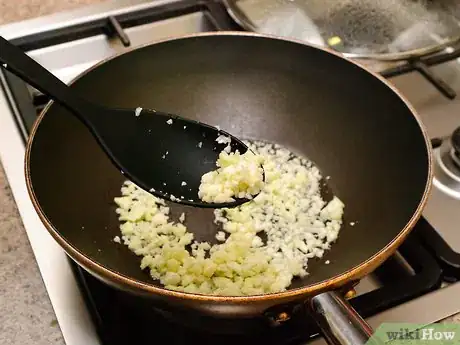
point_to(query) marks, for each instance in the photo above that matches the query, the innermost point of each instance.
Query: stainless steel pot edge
(245, 22)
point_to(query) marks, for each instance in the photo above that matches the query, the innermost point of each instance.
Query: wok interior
(347, 121)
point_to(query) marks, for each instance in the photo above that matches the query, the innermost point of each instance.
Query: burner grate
(427, 277)
(114, 25)
(448, 258)
(422, 65)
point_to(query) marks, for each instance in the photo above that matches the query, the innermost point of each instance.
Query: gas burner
(447, 166)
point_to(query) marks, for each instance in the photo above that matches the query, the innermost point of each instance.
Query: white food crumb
(223, 139)
(164, 156)
(298, 225)
(352, 223)
(164, 183)
(173, 198)
(185, 127)
(328, 177)
(152, 189)
(117, 239)
(5, 65)
(183, 183)
(182, 217)
(169, 122)
(218, 128)
(138, 110)
(200, 144)
(166, 153)
(327, 262)
(237, 176)
(220, 236)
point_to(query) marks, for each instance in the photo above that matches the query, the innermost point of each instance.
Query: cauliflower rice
(237, 176)
(299, 225)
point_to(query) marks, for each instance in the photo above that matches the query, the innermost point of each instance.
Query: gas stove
(419, 284)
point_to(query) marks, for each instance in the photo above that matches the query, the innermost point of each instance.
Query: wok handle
(339, 322)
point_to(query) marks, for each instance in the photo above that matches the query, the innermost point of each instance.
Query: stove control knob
(456, 141)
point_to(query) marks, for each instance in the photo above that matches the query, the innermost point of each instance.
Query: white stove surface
(440, 116)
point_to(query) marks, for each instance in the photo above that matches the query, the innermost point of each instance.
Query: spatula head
(162, 153)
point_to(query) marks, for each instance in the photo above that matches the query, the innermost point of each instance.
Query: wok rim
(333, 283)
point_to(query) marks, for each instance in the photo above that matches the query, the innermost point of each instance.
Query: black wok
(351, 123)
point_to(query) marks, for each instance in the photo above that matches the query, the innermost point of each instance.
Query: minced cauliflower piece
(299, 225)
(220, 236)
(223, 139)
(237, 176)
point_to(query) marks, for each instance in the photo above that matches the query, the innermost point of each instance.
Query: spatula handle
(17, 62)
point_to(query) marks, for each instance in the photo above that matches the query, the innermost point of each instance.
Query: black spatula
(162, 153)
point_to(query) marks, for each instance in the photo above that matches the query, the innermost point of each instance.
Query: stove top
(421, 276)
